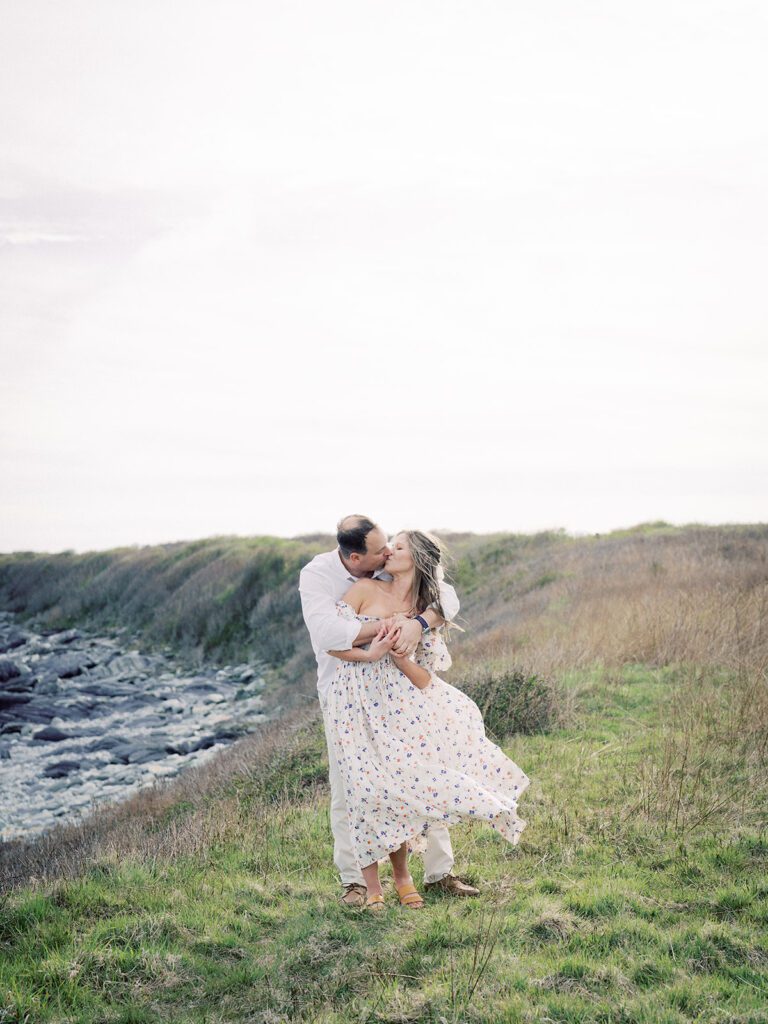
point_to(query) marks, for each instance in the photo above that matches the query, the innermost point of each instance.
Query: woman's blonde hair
(427, 553)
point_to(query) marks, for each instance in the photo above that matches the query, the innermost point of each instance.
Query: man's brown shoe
(452, 886)
(354, 895)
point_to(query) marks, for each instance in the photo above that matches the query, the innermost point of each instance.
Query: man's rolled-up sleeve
(449, 600)
(327, 630)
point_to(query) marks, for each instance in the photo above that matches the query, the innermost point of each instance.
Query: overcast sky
(477, 266)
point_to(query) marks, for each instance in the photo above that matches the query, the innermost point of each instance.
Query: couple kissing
(407, 752)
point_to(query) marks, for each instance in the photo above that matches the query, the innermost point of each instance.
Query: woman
(411, 748)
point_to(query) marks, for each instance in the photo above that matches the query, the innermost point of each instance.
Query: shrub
(512, 701)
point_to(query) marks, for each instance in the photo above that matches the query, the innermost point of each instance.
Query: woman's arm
(417, 675)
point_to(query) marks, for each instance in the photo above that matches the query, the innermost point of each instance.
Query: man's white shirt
(323, 582)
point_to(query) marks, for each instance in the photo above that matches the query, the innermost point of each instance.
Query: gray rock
(139, 754)
(49, 685)
(130, 664)
(108, 743)
(201, 688)
(7, 700)
(66, 637)
(106, 689)
(116, 780)
(11, 639)
(137, 703)
(190, 746)
(58, 769)
(8, 670)
(181, 747)
(36, 647)
(203, 743)
(51, 735)
(20, 684)
(26, 714)
(230, 731)
(80, 706)
(67, 665)
(118, 717)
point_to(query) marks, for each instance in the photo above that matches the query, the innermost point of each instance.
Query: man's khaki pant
(438, 859)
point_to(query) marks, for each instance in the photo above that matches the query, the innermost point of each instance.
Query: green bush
(512, 702)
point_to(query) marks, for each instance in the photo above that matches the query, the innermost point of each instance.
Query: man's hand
(410, 634)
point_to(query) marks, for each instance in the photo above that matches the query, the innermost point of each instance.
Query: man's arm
(385, 639)
(327, 629)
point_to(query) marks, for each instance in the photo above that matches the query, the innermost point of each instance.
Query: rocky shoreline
(84, 721)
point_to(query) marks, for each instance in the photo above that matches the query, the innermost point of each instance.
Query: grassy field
(638, 892)
(632, 896)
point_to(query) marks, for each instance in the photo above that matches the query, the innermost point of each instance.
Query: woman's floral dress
(413, 758)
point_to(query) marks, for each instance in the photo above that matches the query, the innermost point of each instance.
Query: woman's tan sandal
(409, 897)
(375, 903)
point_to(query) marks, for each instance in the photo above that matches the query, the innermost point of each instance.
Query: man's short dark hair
(351, 534)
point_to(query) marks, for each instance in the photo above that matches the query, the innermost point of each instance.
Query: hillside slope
(636, 895)
(545, 600)
(223, 599)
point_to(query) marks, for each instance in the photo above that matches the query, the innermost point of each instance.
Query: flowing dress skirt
(412, 758)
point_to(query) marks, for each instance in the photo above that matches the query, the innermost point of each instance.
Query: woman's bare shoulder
(358, 592)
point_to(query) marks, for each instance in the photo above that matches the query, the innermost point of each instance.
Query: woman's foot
(375, 900)
(375, 903)
(409, 897)
(406, 890)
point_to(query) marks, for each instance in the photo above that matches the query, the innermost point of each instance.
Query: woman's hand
(383, 642)
(410, 633)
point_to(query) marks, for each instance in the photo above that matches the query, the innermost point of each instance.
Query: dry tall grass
(698, 595)
(696, 599)
(708, 763)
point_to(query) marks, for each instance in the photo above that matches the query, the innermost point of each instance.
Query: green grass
(601, 914)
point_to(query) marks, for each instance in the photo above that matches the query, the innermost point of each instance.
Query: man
(363, 551)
